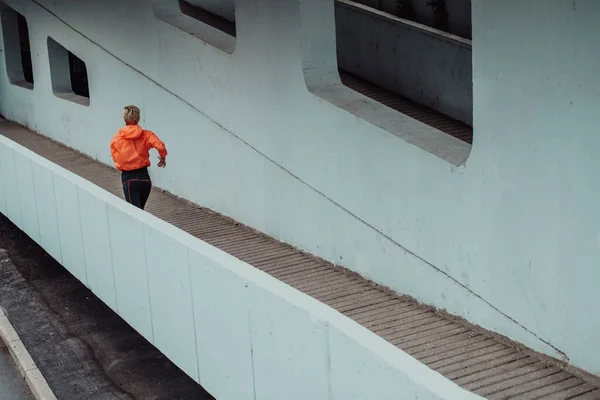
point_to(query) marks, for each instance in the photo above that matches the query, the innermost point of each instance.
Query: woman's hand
(162, 162)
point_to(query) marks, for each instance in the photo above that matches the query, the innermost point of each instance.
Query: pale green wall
(517, 224)
(239, 332)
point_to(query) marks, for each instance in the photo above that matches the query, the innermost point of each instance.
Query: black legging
(136, 186)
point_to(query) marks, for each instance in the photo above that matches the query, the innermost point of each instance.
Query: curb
(32, 375)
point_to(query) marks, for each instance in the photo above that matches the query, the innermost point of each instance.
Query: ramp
(477, 360)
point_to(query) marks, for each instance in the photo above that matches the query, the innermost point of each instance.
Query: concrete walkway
(12, 385)
(476, 359)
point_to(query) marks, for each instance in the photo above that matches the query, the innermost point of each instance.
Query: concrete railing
(459, 13)
(236, 330)
(428, 66)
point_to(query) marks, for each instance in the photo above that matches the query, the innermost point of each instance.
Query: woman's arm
(114, 153)
(156, 143)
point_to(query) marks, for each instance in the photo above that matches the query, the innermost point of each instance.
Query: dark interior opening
(25, 48)
(207, 17)
(399, 103)
(79, 78)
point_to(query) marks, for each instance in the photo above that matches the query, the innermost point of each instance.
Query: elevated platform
(477, 360)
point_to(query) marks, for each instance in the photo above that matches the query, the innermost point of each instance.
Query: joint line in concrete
(305, 183)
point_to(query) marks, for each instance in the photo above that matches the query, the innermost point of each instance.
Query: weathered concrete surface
(473, 358)
(84, 350)
(516, 225)
(424, 65)
(12, 385)
(256, 336)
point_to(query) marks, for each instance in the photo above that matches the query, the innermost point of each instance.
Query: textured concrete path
(473, 358)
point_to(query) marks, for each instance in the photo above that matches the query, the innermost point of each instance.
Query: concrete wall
(239, 332)
(508, 240)
(422, 64)
(459, 13)
(412, 60)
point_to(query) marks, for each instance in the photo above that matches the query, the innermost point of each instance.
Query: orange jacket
(130, 148)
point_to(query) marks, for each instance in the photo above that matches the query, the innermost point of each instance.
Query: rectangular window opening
(420, 71)
(26, 62)
(68, 74)
(78, 76)
(17, 48)
(212, 21)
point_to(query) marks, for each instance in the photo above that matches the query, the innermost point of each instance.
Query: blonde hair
(131, 115)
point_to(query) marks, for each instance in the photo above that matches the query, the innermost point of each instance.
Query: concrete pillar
(318, 38)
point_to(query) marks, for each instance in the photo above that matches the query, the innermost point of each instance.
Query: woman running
(130, 149)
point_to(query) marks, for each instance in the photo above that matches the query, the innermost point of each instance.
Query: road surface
(12, 385)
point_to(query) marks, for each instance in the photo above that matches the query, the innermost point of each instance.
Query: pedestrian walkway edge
(32, 375)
